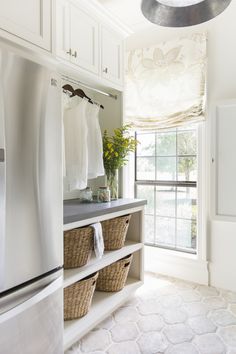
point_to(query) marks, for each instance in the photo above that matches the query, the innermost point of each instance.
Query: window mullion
(167, 183)
(155, 193)
(155, 215)
(155, 156)
(176, 217)
(177, 178)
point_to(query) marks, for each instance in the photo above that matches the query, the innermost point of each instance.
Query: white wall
(221, 235)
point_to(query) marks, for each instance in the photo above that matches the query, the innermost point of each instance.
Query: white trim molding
(176, 264)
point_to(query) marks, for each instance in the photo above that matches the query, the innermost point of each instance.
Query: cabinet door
(112, 56)
(225, 147)
(63, 29)
(84, 40)
(27, 19)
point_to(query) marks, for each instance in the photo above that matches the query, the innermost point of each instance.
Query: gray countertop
(75, 210)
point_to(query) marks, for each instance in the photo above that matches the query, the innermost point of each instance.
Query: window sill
(168, 252)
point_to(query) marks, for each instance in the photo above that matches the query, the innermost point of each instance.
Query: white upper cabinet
(90, 40)
(112, 56)
(29, 20)
(63, 29)
(84, 40)
(79, 31)
(77, 36)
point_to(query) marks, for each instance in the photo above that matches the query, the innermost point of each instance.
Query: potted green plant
(115, 151)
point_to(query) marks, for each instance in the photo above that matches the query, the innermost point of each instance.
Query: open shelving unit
(73, 275)
(104, 303)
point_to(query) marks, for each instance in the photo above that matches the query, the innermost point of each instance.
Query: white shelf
(103, 305)
(73, 275)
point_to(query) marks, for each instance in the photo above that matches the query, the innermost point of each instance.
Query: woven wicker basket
(78, 246)
(113, 277)
(78, 297)
(114, 232)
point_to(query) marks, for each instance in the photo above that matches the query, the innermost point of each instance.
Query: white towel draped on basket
(98, 240)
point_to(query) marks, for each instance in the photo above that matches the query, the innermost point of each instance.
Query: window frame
(175, 184)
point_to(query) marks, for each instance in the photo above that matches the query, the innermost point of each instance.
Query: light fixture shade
(182, 16)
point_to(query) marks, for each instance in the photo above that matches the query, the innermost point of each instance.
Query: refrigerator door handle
(2, 155)
(39, 296)
(2, 216)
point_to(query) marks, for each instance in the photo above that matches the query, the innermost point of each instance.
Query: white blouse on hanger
(76, 151)
(94, 142)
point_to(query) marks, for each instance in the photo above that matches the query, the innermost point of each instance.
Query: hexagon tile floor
(167, 316)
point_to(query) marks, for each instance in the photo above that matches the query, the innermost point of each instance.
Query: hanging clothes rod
(77, 82)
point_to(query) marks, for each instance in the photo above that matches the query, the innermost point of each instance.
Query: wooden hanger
(101, 106)
(82, 94)
(78, 92)
(69, 88)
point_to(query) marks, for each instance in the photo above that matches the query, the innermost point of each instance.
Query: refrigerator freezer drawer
(36, 325)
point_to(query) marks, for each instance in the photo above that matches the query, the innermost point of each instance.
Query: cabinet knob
(69, 52)
(75, 54)
(105, 70)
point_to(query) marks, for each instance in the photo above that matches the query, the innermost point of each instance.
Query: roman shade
(166, 84)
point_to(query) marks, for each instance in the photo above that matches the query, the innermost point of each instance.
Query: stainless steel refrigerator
(31, 214)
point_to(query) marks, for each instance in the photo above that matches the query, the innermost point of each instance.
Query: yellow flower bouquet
(115, 151)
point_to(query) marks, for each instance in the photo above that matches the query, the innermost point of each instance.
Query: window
(166, 175)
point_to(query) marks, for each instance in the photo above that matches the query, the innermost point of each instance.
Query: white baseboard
(222, 277)
(176, 264)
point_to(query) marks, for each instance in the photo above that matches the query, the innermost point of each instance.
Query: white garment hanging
(65, 105)
(76, 152)
(95, 147)
(98, 240)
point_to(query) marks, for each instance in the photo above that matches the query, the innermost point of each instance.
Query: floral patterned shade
(165, 84)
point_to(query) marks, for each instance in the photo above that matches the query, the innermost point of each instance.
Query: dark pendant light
(182, 13)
